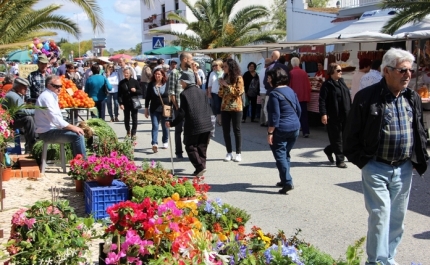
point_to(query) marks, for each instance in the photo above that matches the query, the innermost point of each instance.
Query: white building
(160, 22)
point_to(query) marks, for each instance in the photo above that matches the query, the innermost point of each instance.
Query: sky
(121, 22)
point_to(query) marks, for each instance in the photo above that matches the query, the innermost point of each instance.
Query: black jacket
(153, 100)
(329, 103)
(363, 126)
(195, 110)
(124, 93)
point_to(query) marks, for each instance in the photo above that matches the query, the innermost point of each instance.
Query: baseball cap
(173, 61)
(43, 58)
(21, 81)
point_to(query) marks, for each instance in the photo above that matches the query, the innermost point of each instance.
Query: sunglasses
(339, 70)
(401, 70)
(56, 86)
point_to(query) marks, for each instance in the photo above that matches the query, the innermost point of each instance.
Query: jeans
(304, 121)
(386, 194)
(234, 117)
(253, 104)
(101, 108)
(178, 132)
(156, 118)
(281, 146)
(66, 136)
(144, 87)
(133, 113)
(216, 104)
(112, 97)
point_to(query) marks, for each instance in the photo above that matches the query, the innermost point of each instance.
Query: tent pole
(418, 65)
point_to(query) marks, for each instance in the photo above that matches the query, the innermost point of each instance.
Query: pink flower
(30, 222)
(114, 154)
(174, 227)
(97, 168)
(112, 258)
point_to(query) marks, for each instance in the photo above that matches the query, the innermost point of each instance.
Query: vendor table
(74, 112)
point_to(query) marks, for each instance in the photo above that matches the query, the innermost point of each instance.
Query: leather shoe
(285, 189)
(341, 165)
(279, 184)
(329, 156)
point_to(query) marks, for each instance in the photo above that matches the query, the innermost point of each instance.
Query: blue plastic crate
(98, 198)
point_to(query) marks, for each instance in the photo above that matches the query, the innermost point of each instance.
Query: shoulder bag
(167, 110)
(289, 101)
(105, 88)
(134, 100)
(254, 87)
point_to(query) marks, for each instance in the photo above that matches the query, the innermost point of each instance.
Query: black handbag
(135, 101)
(105, 88)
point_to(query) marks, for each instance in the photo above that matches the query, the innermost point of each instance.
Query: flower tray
(99, 198)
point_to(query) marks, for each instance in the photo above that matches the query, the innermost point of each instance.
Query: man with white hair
(384, 136)
(123, 64)
(299, 82)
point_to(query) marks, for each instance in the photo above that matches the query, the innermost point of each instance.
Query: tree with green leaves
(20, 22)
(408, 11)
(217, 26)
(279, 16)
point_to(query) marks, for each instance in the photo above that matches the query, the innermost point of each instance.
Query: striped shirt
(397, 137)
(174, 86)
(37, 84)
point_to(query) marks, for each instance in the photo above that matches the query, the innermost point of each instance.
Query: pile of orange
(79, 99)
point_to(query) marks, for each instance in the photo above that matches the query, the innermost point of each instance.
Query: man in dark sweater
(194, 108)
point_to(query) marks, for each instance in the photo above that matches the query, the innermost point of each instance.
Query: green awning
(165, 50)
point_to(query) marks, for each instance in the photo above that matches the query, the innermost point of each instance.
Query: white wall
(302, 23)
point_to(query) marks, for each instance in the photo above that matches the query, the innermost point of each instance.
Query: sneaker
(238, 158)
(155, 148)
(179, 157)
(165, 145)
(228, 157)
(201, 173)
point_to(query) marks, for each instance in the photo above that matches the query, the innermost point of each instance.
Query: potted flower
(154, 16)
(103, 169)
(49, 233)
(6, 135)
(78, 172)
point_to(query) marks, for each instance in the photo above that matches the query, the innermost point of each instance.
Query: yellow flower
(264, 238)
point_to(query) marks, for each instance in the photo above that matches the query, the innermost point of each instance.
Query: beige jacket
(146, 75)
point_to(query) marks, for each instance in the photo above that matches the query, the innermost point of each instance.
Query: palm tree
(19, 22)
(413, 11)
(216, 26)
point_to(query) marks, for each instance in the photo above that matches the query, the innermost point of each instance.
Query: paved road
(327, 202)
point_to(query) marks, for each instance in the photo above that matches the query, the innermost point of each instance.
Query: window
(176, 4)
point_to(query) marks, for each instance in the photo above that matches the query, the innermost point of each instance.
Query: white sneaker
(238, 158)
(165, 145)
(228, 157)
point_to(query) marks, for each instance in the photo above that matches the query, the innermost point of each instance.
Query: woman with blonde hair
(230, 92)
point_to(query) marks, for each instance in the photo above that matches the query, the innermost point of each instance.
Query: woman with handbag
(96, 87)
(251, 82)
(157, 99)
(231, 91)
(128, 100)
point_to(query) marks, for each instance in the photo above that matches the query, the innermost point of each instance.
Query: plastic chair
(45, 154)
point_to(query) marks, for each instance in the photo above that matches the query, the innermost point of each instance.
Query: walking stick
(171, 152)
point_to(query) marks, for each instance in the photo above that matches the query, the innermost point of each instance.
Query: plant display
(99, 167)
(6, 133)
(49, 233)
(183, 189)
(53, 152)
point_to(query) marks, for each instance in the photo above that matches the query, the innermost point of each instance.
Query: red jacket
(299, 82)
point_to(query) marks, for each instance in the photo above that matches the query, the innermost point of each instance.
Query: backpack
(254, 87)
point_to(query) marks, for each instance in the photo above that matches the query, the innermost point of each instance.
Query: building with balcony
(157, 18)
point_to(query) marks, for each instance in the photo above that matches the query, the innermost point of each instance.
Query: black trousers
(253, 103)
(196, 147)
(178, 132)
(133, 113)
(335, 130)
(144, 87)
(233, 117)
(26, 123)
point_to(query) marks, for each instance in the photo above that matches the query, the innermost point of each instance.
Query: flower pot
(154, 16)
(79, 184)
(105, 181)
(6, 173)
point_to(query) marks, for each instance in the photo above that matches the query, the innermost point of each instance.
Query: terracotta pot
(6, 173)
(79, 184)
(105, 181)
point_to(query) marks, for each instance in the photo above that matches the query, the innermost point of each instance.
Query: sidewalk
(327, 202)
